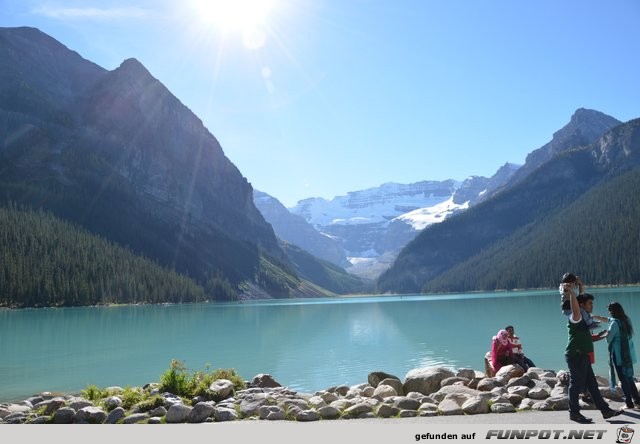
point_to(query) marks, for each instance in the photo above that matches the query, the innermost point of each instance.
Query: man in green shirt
(579, 356)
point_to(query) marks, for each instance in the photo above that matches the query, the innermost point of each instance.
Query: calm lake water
(307, 345)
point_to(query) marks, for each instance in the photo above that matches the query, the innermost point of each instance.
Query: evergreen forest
(597, 237)
(45, 261)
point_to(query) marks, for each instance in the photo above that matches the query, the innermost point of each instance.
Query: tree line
(597, 236)
(45, 261)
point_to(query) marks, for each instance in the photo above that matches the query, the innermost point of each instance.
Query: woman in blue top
(622, 354)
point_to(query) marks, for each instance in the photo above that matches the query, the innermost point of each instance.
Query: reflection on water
(306, 344)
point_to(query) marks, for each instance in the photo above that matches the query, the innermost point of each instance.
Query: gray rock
(406, 403)
(453, 389)
(374, 378)
(64, 415)
(317, 402)
(355, 410)
(563, 377)
(521, 390)
(539, 393)
(40, 420)
(612, 394)
(307, 416)
(222, 414)
(154, 420)
(387, 411)
(514, 398)
(158, 411)
(34, 400)
(178, 413)
(466, 373)
(523, 380)
(135, 418)
(221, 389)
(395, 383)
(79, 403)
(450, 406)
(342, 404)
(271, 413)
(112, 402)
(91, 414)
(476, 405)
(558, 402)
(488, 384)
(115, 415)
(407, 414)
(16, 418)
(385, 391)
(428, 406)
(454, 380)
(200, 412)
(526, 404)
(425, 380)
(508, 372)
(328, 412)
(14, 408)
(329, 397)
(289, 403)
(502, 408)
(51, 405)
(249, 406)
(263, 380)
(341, 390)
(170, 399)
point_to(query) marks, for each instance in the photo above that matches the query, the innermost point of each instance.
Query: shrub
(94, 393)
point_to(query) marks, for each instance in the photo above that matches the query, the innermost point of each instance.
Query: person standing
(622, 354)
(578, 355)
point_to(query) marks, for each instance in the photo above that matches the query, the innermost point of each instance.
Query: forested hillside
(45, 261)
(436, 260)
(596, 236)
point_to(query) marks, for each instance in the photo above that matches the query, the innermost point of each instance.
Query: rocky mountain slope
(499, 223)
(117, 153)
(372, 225)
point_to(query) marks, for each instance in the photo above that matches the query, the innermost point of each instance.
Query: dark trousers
(581, 377)
(628, 387)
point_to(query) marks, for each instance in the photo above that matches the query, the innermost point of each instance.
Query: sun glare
(247, 17)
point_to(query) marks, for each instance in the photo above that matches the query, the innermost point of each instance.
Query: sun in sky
(248, 18)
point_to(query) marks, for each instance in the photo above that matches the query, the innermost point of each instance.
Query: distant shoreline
(341, 296)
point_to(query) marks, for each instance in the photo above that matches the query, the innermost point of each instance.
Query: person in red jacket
(501, 353)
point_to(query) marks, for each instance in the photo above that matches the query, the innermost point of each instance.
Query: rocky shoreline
(428, 391)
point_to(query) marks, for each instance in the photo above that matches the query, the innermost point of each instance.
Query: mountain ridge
(529, 201)
(116, 153)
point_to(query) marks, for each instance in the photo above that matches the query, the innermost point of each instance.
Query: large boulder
(264, 381)
(425, 380)
(376, 378)
(91, 414)
(221, 389)
(509, 371)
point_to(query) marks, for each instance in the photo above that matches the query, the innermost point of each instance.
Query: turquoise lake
(305, 344)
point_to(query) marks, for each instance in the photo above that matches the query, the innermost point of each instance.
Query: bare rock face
(117, 153)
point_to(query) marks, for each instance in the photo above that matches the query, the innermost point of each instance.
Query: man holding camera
(579, 351)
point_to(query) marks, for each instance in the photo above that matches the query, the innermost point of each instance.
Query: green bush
(94, 393)
(179, 381)
(175, 379)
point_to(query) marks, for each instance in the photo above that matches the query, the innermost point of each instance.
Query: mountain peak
(133, 69)
(585, 115)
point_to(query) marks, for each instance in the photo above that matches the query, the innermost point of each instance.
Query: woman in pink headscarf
(500, 350)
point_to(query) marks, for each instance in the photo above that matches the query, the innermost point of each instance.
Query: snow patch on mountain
(423, 217)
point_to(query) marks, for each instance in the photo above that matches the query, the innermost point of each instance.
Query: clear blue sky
(321, 97)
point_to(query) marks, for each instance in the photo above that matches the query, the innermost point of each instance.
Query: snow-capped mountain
(372, 225)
